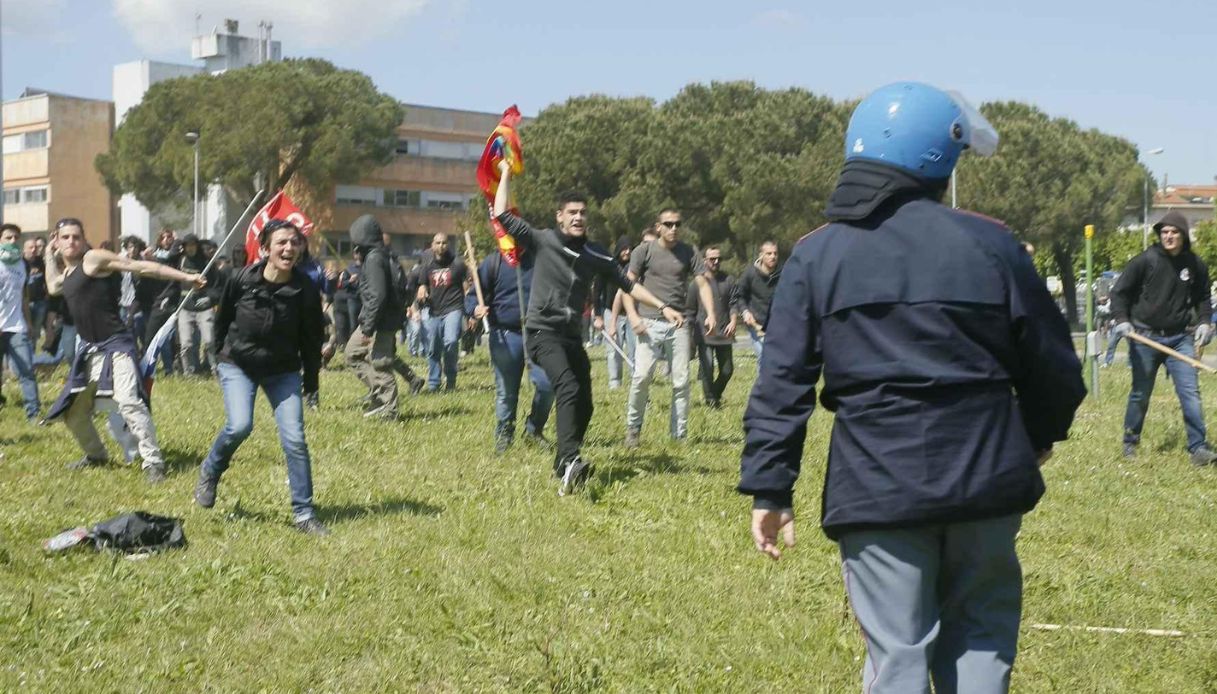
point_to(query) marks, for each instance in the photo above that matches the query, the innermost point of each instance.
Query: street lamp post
(1145, 205)
(193, 138)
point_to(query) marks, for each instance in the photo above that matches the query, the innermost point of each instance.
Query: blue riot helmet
(919, 128)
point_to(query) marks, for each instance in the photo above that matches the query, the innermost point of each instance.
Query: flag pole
(227, 238)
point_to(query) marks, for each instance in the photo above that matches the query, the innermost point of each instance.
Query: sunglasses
(672, 225)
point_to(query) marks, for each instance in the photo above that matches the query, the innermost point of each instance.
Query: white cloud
(32, 17)
(778, 19)
(165, 27)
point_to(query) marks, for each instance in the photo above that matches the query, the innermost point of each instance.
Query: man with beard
(106, 365)
(441, 276)
(1155, 297)
(714, 347)
(756, 287)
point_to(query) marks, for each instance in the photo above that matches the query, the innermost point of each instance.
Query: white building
(219, 51)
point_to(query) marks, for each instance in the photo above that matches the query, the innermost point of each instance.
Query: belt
(1160, 333)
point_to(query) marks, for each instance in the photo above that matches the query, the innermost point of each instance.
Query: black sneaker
(155, 474)
(85, 462)
(312, 526)
(1130, 450)
(501, 444)
(574, 476)
(1204, 456)
(205, 491)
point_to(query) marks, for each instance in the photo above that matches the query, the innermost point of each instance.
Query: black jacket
(562, 276)
(944, 357)
(755, 290)
(1159, 291)
(269, 329)
(726, 297)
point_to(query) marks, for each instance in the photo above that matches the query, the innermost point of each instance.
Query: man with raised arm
(106, 365)
(566, 264)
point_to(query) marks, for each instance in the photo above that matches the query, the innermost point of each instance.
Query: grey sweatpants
(940, 602)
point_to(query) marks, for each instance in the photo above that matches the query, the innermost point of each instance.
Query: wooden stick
(1170, 352)
(477, 283)
(1169, 633)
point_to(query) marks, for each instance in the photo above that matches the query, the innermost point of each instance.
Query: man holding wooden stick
(1155, 298)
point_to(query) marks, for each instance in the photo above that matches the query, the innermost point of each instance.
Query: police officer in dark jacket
(269, 327)
(951, 373)
(1156, 296)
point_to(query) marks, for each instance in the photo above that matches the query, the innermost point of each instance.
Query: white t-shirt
(12, 284)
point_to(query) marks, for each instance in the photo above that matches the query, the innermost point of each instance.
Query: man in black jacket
(1155, 297)
(373, 343)
(565, 265)
(951, 373)
(756, 287)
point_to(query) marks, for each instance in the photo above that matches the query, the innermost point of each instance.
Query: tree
(303, 121)
(1048, 180)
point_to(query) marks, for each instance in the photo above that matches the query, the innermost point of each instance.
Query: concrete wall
(80, 130)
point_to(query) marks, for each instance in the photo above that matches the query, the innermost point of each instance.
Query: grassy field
(453, 570)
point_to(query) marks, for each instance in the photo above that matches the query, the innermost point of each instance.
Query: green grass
(452, 570)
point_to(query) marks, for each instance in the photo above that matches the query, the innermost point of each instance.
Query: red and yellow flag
(502, 145)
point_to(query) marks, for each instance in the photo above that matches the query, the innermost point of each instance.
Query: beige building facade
(50, 143)
(428, 186)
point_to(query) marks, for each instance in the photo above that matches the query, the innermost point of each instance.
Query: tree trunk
(1064, 265)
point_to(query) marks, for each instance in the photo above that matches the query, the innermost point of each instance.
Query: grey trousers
(939, 602)
(373, 364)
(130, 407)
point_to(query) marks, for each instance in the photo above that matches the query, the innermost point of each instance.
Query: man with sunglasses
(665, 267)
(106, 365)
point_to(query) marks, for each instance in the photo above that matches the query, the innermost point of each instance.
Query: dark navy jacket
(944, 358)
(501, 292)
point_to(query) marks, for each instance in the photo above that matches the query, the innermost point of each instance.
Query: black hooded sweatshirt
(381, 310)
(1158, 291)
(605, 292)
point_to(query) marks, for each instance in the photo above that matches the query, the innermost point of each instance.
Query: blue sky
(1133, 69)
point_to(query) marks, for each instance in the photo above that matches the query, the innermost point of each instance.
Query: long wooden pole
(477, 283)
(1172, 353)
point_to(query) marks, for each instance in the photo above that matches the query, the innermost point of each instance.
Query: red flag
(502, 145)
(279, 207)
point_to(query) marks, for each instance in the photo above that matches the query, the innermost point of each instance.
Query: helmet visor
(979, 134)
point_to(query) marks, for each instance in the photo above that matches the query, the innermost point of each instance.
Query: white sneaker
(574, 475)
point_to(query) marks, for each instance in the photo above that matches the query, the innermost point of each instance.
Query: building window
(403, 147)
(39, 139)
(445, 201)
(355, 195)
(402, 198)
(34, 194)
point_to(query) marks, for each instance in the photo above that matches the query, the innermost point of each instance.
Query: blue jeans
(65, 351)
(625, 339)
(1144, 362)
(1112, 342)
(21, 356)
(283, 392)
(758, 342)
(444, 339)
(507, 357)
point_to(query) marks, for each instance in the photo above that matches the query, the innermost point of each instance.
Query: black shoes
(1204, 456)
(155, 474)
(85, 462)
(312, 526)
(205, 491)
(574, 475)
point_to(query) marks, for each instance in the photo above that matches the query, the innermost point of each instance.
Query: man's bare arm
(54, 273)
(100, 263)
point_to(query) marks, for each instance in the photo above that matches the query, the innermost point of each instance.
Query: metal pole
(197, 230)
(1145, 217)
(1092, 341)
(954, 202)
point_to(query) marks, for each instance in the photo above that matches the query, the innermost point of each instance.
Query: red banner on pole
(279, 207)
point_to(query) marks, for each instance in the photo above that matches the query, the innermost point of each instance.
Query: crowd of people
(949, 368)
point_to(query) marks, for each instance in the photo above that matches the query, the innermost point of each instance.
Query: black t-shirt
(445, 285)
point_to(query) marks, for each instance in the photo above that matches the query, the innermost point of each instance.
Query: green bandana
(9, 253)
